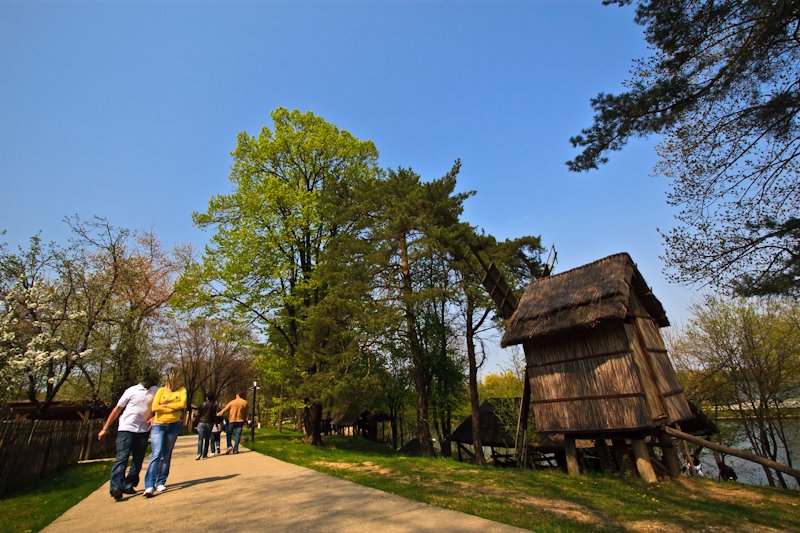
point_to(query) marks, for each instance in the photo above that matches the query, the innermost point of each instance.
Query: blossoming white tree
(79, 311)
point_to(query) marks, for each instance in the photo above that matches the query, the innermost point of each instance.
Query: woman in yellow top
(168, 405)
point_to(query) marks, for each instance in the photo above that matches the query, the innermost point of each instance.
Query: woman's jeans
(162, 441)
(203, 438)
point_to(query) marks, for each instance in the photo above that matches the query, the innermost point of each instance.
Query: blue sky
(129, 110)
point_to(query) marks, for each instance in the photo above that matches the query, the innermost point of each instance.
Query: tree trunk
(474, 401)
(312, 421)
(417, 356)
(445, 445)
(423, 422)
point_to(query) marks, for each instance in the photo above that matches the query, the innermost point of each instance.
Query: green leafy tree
(279, 241)
(751, 351)
(723, 87)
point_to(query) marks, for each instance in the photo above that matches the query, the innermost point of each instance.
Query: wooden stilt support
(521, 444)
(604, 455)
(572, 456)
(643, 464)
(671, 460)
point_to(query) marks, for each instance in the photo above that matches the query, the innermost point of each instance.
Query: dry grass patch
(364, 467)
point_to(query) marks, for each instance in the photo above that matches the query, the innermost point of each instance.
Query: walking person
(238, 409)
(134, 411)
(206, 416)
(168, 405)
(216, 430)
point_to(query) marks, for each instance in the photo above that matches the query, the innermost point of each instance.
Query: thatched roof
(346, 418)
(493, 431)
(581, 298)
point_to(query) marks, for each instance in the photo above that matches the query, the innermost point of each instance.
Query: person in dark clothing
(206, 416)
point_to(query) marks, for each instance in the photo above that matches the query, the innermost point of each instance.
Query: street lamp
(253, 414)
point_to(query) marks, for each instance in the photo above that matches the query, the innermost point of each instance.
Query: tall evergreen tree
(417, 221)
(723, 86)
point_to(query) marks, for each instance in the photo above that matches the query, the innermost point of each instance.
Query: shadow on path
(192, 482)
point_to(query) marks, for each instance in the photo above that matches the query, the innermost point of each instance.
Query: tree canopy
(722, 86)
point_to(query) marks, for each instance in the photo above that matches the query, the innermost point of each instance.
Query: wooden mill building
(597, 365)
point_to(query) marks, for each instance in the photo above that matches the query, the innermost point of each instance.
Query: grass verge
(540, 500)
(35, 506)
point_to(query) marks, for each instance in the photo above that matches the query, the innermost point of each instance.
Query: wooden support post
(603, 453)
(643, 464)
(622, 456)
(671, 460)
(572, 456)
(521, 444)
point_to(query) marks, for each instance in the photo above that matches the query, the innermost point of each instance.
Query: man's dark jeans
(236, 429)
(128, 444)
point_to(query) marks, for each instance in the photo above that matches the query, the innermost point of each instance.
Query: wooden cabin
(597, 365)
(498, 418)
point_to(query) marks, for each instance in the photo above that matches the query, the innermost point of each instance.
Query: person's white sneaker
(148, 492)
(161, 488)
(212, 454)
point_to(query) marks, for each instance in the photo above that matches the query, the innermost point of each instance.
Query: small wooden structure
(597, 365)
(346, 422)
(497, 417)
(494, 433)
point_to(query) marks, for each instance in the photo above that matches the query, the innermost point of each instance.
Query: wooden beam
(732, 451)
(521, 446)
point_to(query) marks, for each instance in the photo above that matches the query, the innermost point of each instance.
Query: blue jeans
(162, 441)
(203, 438)
(236, 429)
(128, 444)
(216, 444)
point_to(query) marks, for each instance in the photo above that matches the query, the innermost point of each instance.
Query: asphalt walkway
(254, 492)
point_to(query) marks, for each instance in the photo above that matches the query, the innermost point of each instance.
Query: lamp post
(253, 414)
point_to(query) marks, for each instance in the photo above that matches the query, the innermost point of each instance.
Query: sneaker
(148, 492)
(161, 488)
(128, 490)
(116, 494)
(228, 451)
(213, 454)
(235, 452)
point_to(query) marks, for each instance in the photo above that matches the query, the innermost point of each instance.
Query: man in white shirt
(134, 406)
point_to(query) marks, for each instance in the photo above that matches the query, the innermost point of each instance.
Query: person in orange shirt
(238, 409)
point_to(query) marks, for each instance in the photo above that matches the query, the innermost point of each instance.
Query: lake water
(749, 472)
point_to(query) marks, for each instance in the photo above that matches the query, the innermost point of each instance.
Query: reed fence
(33, 449)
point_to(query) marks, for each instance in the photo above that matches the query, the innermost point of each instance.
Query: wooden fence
(33, 449)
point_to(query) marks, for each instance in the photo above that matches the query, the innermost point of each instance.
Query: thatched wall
(669, 388)
(586, 383)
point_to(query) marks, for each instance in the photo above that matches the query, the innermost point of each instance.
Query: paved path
(254, 492)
